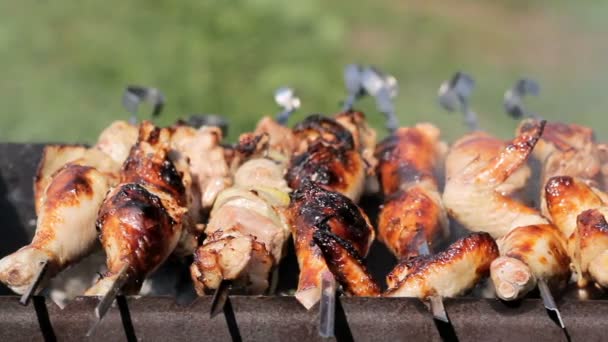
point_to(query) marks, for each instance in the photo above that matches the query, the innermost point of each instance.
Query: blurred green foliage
(65, 64)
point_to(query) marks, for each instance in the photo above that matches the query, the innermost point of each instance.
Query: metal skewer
(454, 95)
(385, 88)
(286, 98)
(31, 290)
(106, 301)
(353, 79)
(435, 301)
(513, 103)
(220, 297)
(136, 95)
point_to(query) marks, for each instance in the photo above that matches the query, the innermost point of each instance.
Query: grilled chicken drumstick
(70, 185)
(140, 220)
(412, 214)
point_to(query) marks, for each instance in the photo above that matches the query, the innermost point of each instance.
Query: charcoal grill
(264, 318)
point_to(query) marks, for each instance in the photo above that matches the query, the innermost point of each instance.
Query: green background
(65, 63)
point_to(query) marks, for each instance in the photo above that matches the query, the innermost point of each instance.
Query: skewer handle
(135, 95)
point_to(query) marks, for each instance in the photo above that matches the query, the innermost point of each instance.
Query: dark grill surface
(278, 318)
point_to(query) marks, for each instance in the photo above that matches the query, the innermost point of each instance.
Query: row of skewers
(147, 192)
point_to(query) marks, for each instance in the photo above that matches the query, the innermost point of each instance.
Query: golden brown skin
(141, 219)
(412, 213)
(472, 195)
(448, 273)
(65, 230)
(328, 157)
(480, 147)
(313, 208)
(591, 246)
(567, 198)
(529, 254)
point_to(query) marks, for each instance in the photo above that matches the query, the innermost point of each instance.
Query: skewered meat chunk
(247, 230)
(281, 140)
(141, 219)
(412, 214)
(208, 166)
(65, 231)
(529, 254)
(472, 198)
(231, 255)
(448, 273)
(117, 139)
(480, 148)
(314, 208)
(591, 246)
(328, 157)
(576, 209)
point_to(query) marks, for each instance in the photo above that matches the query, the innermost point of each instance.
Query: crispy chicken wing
(346, 264)
(448, 273)
(590, 246)
(471, 195)
(576, 209)
(314, 208)
(480, 147)
(412, 214)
